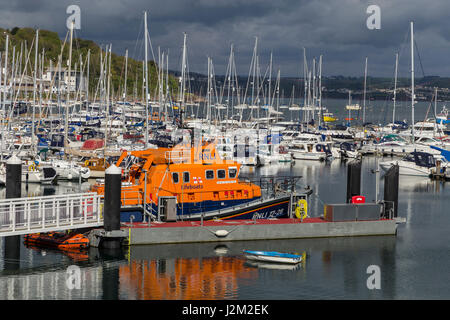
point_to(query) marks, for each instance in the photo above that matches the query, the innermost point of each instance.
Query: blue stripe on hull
(193, 208)
(275, 210)
(263, 210)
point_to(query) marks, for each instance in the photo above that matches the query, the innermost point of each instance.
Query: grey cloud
(336, 29)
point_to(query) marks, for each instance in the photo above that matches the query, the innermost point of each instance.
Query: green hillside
(51, 43)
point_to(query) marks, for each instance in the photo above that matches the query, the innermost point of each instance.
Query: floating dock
(350, 219)
(263, 229)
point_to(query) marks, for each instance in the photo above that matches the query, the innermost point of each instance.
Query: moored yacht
(416, 163)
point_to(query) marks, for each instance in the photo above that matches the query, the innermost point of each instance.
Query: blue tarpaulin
(444, 153)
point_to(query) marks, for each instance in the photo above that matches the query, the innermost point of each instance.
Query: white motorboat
(310, 151)
(348, 150)
(273, 153)
(395, 145)
(32, 173)
(339, 133)
(420, 164)
(273, 256)
(69, 170)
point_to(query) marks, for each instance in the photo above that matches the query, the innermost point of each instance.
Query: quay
(44, 214)
(348, 219)
(261, 229)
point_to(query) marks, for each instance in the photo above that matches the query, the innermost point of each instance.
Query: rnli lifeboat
(189, 183)
(59, 240)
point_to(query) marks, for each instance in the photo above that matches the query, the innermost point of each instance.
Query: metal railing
(178, 156)
(273, 184)
(133, 198)
(50, 213)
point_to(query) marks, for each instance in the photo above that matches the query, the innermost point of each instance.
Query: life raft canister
(301, 211)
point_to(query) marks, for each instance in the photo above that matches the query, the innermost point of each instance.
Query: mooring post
(391, 190)
(13, 177)
(13, 190)
(111, 212)
(353, 179)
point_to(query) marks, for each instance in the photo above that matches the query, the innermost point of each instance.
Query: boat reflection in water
(184, 278)
(74, 254)
(412, 184)
(273, 266)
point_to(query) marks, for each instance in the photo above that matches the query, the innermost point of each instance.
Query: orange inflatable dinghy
(59, 240)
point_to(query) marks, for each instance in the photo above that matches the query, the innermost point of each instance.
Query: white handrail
(51, 213)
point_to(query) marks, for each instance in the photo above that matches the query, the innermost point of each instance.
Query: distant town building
(74, 82)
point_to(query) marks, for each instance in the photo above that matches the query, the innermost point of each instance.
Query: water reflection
(411, 263)
(419, 184)
(273, 266)
(185, 278)
(74, 255)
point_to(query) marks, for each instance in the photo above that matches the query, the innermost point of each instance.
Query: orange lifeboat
(59, 240)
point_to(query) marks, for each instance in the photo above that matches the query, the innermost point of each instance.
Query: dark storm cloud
(335, 29)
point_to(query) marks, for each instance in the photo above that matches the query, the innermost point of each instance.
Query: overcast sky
(336, 29)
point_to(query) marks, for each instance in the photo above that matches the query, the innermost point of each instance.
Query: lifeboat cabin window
(175, 177)
(221, 174)
(232, 173)
(209, 174)
(186, 177)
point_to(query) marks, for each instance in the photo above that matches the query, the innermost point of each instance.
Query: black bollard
(353, 179)
(391, 190)
(111, 212)
(113, 176)
(13, 177)
(13, 190)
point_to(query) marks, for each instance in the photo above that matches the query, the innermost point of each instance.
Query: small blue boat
(273, 256)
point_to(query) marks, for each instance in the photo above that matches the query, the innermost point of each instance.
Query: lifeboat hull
(256, 209)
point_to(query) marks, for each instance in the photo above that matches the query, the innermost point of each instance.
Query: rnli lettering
(268, 214)
(198, 186)
(207, 156)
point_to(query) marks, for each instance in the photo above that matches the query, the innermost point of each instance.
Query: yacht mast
(320, 90)
(395, 86)
(412, 81)
(183, 76)
(126, 76)
(270, 80)
(146, 80)
(436, 125)
(278, 91)
(305, 70)
(208, 96)
(4, 90)
(364, 98)
(313, 88)
(87, 80)
(66, 123)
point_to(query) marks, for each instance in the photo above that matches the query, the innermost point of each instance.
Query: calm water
(377, 111)
(414, 264)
